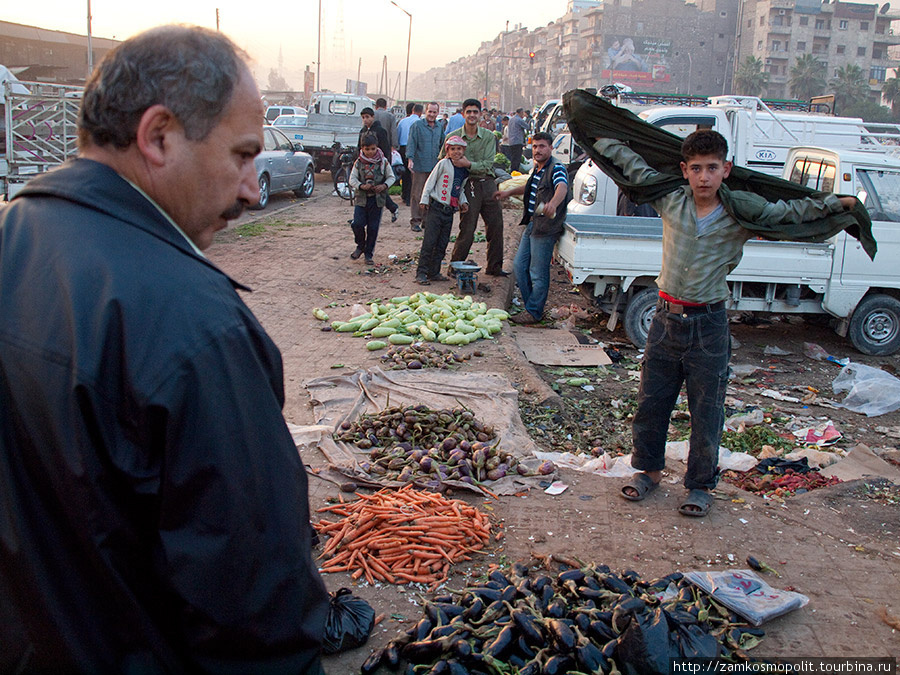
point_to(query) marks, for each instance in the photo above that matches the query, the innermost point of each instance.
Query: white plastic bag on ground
(871, 390)
(735, 461)
(742, 591)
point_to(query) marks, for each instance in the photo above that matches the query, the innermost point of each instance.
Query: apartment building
(837, 33)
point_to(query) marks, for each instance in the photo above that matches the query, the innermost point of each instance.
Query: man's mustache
(234, 210)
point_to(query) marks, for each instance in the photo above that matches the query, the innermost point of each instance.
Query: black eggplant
(615, 584)
(519, 570)
(509, 593)
(557, 609)
(533, 667)
(582, 621)
(560, 634)
(590, 658)
(499, 577)
(528, 627)
(439, 668)
(501, 644)
(558, 664)
(371, 664)
(423, 651)
(391, 656)
(570, 575)
(456, 668)
(524, 649)
(539, 582)
(473, 611)
(462, 648)
(488, 594)
(443, 598)
(600, 631)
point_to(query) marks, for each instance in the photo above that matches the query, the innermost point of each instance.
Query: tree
(891, 91)
(850, 86)
(751, 79)
(807, 77)
(868, 110)
(479, 81)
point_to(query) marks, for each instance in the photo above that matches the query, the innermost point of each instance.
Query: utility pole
(217, 18)
(90, 53)
(318, 86)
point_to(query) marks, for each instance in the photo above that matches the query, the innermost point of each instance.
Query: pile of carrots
(401, 536)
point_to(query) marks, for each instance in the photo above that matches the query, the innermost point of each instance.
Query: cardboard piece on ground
(559, 348)
(861, 462)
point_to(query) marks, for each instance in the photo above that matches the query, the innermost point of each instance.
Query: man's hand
(500, 195)
(847, 202)
(381, 187)
(548, 211)
(424, 207)
(409, 164)
(461, 163)
(365, 187)
(463, 208)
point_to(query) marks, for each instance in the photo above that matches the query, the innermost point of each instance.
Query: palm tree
(849, 85)
(807, 77)
(751, 79)
(891, 91)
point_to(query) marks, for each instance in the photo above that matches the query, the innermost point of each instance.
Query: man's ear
(728, 166)
(154, 131)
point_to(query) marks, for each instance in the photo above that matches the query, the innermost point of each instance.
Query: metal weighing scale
(465, 275)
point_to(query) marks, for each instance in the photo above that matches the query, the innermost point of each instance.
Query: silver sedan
(282, 166)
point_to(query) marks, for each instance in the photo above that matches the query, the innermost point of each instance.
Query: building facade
(41, 55)
(836, 33)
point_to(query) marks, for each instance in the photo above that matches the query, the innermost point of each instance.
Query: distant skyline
(351, 30)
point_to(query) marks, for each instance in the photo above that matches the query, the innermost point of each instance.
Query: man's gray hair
(190, 70)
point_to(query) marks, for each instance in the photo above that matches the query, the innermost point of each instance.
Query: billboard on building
(357, 87)
(636, 59)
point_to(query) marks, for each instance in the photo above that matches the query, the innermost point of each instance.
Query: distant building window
(776, 45)
(801, 46)
(723, 14)
(877, 73)
(640, 26)
(876, 53)
(762, 21)
(820, 24)
(864, 25)
(759, 46)
(804, 20)
(721, 35)
(749, 23)
(860, 51)
(702, 43)
(842, 24)
(840, 49)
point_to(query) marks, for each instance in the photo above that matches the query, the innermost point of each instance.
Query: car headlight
(588, 192)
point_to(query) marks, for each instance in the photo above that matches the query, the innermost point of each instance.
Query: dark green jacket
(591, 117)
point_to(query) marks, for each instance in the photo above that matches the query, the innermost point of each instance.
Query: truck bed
(630, 247)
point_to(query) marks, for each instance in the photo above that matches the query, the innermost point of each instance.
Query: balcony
(886, 39)
(780, 30)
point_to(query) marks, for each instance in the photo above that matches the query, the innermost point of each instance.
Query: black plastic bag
(350, 622)
(778, 465)
(644, 646)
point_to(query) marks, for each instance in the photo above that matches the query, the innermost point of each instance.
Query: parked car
(281, 166)
(275, 111)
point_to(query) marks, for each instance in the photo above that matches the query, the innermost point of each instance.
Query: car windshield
(882, 193)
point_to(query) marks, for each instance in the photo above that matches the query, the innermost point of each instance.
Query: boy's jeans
(532, 269)
(366, 221)
(438, 225)
(692, 348)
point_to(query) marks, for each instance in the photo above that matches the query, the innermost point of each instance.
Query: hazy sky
(370, 29)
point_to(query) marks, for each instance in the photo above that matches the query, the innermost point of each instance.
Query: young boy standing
(370, 178)
(442, 196)
(689, 341)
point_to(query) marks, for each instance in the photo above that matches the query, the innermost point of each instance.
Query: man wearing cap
(443, 194)
(479, 160)
(422, 149)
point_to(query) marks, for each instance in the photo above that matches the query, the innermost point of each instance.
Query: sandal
(697, 504)
(642, 485)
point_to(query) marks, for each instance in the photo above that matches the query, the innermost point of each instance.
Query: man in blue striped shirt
(546, 198)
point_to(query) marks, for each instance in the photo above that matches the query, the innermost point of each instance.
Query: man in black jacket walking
(154, 513)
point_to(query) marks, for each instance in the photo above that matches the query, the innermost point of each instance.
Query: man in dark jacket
(546, 198)
(154, 514)
(372, 126)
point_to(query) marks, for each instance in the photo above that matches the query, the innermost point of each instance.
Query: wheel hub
(881, 326)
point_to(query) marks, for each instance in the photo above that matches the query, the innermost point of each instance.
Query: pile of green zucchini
(582, 620)
(427, 317)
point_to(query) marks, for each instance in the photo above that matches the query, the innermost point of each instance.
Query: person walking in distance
(422, 149)
(383, 140)
(414, 114)
(516, 131)
(370, 178)
(141, 429)
(546, 197)
(479, 160)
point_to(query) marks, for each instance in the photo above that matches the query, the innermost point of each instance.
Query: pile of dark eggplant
(587, 620)
(430, 447)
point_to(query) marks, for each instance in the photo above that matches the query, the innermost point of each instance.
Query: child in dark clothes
(370, 178)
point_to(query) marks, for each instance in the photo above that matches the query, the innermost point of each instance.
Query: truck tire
(639, 314)
(875, 326)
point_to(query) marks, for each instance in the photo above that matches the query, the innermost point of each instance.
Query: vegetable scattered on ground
(585, 620)
(446, 318)
(401, 536)
(417, 356)
(772, 485)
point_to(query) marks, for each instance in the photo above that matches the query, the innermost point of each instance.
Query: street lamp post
(408, 46)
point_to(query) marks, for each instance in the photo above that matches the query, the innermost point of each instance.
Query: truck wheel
(875, 326)
(639, 314)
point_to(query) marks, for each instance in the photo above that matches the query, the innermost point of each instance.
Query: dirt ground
(837, 545)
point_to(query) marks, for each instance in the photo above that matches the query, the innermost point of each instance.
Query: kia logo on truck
(765, 155)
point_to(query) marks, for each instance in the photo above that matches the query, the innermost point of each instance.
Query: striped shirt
(559, 177)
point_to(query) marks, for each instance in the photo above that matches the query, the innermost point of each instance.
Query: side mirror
(298, 147)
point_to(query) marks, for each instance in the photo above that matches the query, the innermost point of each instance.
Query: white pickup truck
(332, 119)
(616, 259)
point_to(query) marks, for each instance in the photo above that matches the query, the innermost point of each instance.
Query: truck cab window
(882, 193)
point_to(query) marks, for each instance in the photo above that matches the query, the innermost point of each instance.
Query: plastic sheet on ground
(871, 391)
(610, 466)
(490, 396)
(744, 592)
